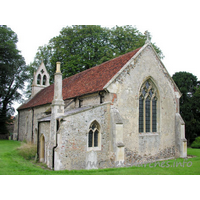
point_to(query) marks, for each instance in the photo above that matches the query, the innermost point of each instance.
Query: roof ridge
(84, 71)
(88, 81)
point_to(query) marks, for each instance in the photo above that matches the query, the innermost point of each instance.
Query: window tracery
(148, 108)
(93, 135)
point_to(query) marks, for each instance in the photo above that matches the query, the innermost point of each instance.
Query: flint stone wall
(28, 122)
(144, 146)
(72, 151)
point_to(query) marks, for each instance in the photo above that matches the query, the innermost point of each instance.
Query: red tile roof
(86, 82)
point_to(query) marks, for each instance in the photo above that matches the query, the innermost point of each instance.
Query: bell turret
(40, 79)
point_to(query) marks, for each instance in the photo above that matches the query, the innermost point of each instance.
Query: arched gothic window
(44, 79)
(39, 79)
(148, 108)
(94, 135)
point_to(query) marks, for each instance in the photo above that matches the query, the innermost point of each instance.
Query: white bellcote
(40, 79)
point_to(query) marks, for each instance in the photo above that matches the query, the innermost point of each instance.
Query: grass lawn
(11, 163)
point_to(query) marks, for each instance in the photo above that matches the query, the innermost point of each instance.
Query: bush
(196, 143)
(28, 150)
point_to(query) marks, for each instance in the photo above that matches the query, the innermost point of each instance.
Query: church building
(123, 111)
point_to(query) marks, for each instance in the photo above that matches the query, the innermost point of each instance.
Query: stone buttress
(57, 109)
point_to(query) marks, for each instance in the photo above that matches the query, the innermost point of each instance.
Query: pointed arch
(94, 136)
(153, 83)
(44, 81)
(148, 96)
(39, 79)
(42, 148)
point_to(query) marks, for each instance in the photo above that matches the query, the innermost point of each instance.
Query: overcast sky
(173, 24)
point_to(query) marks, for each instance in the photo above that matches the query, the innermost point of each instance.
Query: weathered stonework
(126, 87)
(40, 79)
(72, 148)
(28, 123)
(61, 129)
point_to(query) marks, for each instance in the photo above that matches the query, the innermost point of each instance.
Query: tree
(189, 102)
(12, 75)
(81, 47)
(196, 109)
(127, 38)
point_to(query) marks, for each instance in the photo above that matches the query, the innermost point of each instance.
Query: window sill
(93, 149)
(149, 134)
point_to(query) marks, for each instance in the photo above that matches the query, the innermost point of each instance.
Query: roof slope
(86, 82)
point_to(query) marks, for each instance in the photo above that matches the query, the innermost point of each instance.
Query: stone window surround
(41, 80)
(98, 148)
(149, 79)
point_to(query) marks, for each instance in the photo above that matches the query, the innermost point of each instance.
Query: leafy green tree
(127, 38)
(196, 143)
(13, 73)
(81, 47)
(196, 109)
(189, 102)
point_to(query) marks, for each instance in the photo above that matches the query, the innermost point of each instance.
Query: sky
(173, 24)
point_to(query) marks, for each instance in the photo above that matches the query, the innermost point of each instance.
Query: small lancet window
(90, 135)
(101, 99)
(44, 79)
(154, 115)
(39, 79)
(141, 115)
(93, 135)
(101, 94)
(148, 108)
(80, 103)
(147, 114)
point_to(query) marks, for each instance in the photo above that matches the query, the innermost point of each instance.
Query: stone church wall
(72, 151)
(144, 146)
(25, 125)
(118, 118)
(28, 123)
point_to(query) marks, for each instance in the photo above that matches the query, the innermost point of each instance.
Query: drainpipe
(53, 158)
(18, 126)
(32, 124)
(38, 140)
(57, 127)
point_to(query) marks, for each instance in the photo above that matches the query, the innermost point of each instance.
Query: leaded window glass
(96, 138)
(93, 135)
(141, 113)
(44, 80)
(154, 116)
(90, 135)
(148, 108)
(39, 79)
(147, 114)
